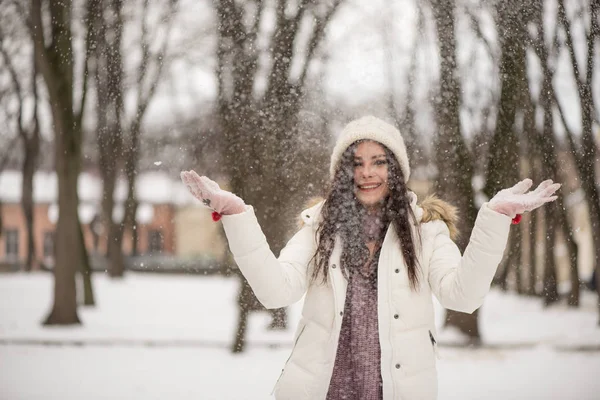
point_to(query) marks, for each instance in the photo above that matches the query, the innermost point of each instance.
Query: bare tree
(117, 134)
(586, 154)
(504, 151)
(261, 81)
(29, 134)
(108, 72)
(403, 114)
(527, 280)
(53, 48)
(549, 149)
(452, 155)
(149, 75)
(5, 158)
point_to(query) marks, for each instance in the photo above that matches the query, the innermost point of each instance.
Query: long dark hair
(343, 214)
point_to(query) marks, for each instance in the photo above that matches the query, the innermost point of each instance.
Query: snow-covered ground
(167, 337)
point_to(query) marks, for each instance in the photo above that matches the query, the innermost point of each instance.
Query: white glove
(515, 200)
(211, 195)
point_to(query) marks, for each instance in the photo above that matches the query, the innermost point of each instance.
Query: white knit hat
(371, 128)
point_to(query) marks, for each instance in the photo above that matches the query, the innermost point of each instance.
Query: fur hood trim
(436, 209)
(433, 209)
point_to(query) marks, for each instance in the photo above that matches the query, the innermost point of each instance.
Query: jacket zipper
(288, 359)
(433, 342)
(434, 345)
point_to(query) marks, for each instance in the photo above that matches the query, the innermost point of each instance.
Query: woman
(368, 259)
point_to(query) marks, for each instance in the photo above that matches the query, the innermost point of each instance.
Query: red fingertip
(216, 216)
(517, 219)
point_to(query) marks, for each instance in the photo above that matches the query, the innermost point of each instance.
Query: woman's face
(370, 173)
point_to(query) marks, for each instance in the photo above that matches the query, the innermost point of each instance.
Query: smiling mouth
(371, 186)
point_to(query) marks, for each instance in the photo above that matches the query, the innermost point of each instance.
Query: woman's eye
(357, 164)
(381, 162)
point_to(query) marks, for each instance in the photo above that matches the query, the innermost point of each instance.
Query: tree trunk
(573, 251)
(588, 180)
(131, 155)
(117, 267)
(31, 147)
(56, 65)
(131, 203)
(510, 262)
(86, 273)
(532, 156)
(452, 156)
(468, 324)
(532, 267)
(29, 166)
(549, 146)
(239, 341)
(517, 259)
(259, 129)
(68, 249)
(586, 160)
(550, 290)
(109, 73)
(115, 251)
(134, 239)
(503, 160)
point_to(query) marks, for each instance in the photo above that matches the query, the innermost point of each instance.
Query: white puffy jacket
(406, 317)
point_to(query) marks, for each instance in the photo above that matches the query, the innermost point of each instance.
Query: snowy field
(167, 337)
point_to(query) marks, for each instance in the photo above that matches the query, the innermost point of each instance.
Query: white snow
(86, 212)
(160, 336)
(53, 213)
(144, 213)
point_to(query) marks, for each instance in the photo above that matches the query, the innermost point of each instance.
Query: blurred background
(115, 282)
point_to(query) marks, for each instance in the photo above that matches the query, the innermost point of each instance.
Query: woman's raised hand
(517, 199)
(211, 195)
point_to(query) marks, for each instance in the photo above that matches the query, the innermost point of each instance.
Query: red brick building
(159, 196)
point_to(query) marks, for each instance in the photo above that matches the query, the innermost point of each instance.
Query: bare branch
(591, 42)
(22, 13)
(547, 55)
(301, 10)
(280, 11)
(36, 123)
(476, 24)
(254, 31)
(569, 133)
(282, 53)
(9, 152)
(562, 16)
(316, 37)
(39, 45)
(15, 82)
(92, 12)
(145, 50)
(159, 60)
(554, 48)
(594, 34)
(250, 63)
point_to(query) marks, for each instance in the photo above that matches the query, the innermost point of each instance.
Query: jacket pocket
(289, 357)
(413, 351)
